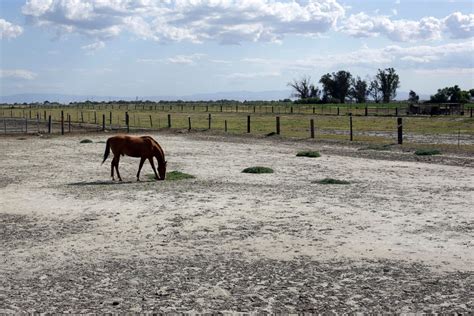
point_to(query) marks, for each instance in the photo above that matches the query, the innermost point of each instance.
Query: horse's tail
(107, 151)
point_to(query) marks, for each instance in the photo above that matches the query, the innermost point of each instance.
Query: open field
(398, 238)
(417, 130)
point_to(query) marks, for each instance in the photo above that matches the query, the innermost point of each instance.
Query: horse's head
(162, 170)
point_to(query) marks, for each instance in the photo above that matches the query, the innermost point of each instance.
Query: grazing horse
(144, 147)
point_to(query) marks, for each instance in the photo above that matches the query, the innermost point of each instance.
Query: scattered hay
(308, 153)
(427, 152)
(258, 169)
(86, 141)
(331, 181)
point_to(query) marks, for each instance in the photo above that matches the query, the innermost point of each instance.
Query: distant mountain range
(229, 95)
(67, 98)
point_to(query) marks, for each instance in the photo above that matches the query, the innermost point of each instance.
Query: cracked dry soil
(399, 238)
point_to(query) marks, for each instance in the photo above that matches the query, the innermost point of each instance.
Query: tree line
(341, 86)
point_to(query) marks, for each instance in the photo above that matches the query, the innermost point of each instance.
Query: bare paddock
(398, 238)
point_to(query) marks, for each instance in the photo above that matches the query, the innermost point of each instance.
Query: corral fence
(289, 123)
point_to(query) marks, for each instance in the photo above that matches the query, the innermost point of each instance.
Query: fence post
(37, 121)
(110, 119)
(278, 125)
(127, 121)
(103, 122)
(151, 122)
(210, 120)
(350, 126)
(169, 120)
(82, 117)
(49, 124)
(396, 111)
(225, 126)
(4, 125)
(400, 130)
(26, 125)
(471, 112)
(312, 127)
(189, 123)
(95, 117)
(62, 122)
(366, 111)
(69, 122)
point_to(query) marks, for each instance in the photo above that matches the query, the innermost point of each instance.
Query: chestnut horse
(144, 147)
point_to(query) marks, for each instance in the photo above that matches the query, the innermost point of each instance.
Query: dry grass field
(397, 238)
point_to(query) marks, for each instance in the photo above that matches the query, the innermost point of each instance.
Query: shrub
(427, 152)
(86, 141)
(311, 154)
(257, 170)
(331, 181)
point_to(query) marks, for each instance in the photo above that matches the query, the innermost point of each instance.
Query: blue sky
(181, 47)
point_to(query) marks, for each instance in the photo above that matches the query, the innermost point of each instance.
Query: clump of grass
(173, 176)
(86, 141)
(331, 181)
(427, 152)
(258, 170)
(308, 153)
(271, 134)
(377, 147)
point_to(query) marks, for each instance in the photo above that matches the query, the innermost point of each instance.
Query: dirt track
(399, 238)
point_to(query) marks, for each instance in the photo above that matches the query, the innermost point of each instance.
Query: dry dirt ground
(398, 238)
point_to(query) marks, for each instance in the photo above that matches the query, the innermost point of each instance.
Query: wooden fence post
(312, 127)
(225, 126)
(69, 122)
(169, 120)
(95, 117)
(127, 121)
(400, 130)
(151, 122)
(278, 125)
(210, 120)
(62, 122)
(26, 125)
(49, 124)
(248, 123)
(350, 126)
(366, 111)
(103, 122)
(110, 119)
(337, 111)
(4, 125)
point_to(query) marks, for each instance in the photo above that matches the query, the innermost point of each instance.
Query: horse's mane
(157, 145)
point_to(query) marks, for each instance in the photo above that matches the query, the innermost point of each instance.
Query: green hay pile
(308, 153)
(331, 181)
(173, 176)
(257, 170)
(427, 152)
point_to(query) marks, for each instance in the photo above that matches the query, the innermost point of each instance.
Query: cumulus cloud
(9, 30)
(185, 59)
(454, 55)
(456, 25)
(17, 74)
(225, 21)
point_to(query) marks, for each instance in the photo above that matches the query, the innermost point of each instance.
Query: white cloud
(185, 59)
(446, 71)
(9, 30)
(17, 74)
(225, 21)
(455, 55)
(456, 25)
(459, 25)
(364, 25)
(250, 75)
(92, 48)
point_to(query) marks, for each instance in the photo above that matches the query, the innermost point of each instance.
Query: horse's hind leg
(142, 160)
(115, 163)
(154, 169)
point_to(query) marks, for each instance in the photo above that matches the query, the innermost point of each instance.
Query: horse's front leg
(142, 160)
(154, 169)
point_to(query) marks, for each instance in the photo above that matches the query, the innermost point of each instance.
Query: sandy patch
(399, 238)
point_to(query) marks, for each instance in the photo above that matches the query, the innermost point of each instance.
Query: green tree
(336, 85)
(413, 97)
(303, 88)
(359, 90)
(389, 82)
(374, 90)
